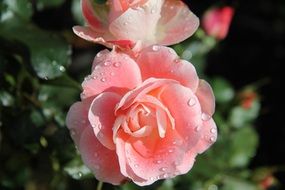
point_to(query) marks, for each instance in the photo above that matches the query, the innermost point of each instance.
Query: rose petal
(164, 155)
(91, 16)
(187, 162)
(184, 106)
(102, 118)
(90, 35)
(206, 97)
(209, 132)
(77, 119)
(138, 23)
(116, 71)
(163, 62)
(177, 23)
(94, 155)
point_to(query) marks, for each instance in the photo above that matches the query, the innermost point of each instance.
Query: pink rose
(216, 21)
(137, 23)
(142, 119)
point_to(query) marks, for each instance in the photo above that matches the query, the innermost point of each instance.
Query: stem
(100, 185)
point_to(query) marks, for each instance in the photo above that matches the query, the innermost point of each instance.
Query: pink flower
(142, 119)
(137, 23)
(216, 21)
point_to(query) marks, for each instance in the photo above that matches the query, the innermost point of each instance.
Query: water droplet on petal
(191, 102)
(117, 64)
(79, 174)
(94, 77)
(197, 128)
(174, 142)
(102, 73)
(177, 60)
(99, 54)
(136, 165)
(151, 178)
(152, 11)
(163, 169)
(171, 7)
(213, 130)
(205, 117)
(212, 139)
(155, 48)
(107, 63)
(157, 161)
(170, 150)
(165, 176)
(112, 74)
(125, 23)
(103, 80)
(172, 71)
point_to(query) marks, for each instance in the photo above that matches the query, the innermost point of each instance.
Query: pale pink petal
(102, 118)
(185, 108)
(77, 119)
(153, 158)
(115, 72)
(121, 152)
(103, 162)
(209, 132)
(187, 162)
(206, 97)
(177, 23)
(90, 35)
(163, 62)
(91, 16)
(138, 24)
(139, 92)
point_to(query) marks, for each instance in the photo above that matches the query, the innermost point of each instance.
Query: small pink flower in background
(142, 119)
(216, 21)
(134, 24)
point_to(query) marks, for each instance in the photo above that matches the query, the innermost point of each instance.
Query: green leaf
(42, 4)
(76, 11)
(223, 90)
(240, 117)
(49, 53)
(242, 147)
(20, 8)
(231, 183)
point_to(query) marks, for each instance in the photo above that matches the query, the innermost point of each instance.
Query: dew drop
(125, 23)
(94, 77)
(172, 71)
(163, 169)
(157, 161)
(170, 150)
(151, 178)
(213, 130)
(171, 7)
(152, 11)
(99, 54)
(107, 63)
(46, 78)
(112, 74)
(117, 64)
(174, 142)
(136, 165)
(212, 139)
(165, 176)
(197, 128)
(191, 102)
(205, 117)
(155, 48)
(79, 174)
(103, 80)
(102, 73)
(61, 68)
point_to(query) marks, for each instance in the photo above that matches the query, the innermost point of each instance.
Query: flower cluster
(144, 114)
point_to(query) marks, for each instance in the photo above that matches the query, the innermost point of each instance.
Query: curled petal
(206, 97)
(94, 155)
(101, 117)
(110, 74)
(177, 23)
(163, 62)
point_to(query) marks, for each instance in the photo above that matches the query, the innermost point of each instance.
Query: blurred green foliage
(36, 90)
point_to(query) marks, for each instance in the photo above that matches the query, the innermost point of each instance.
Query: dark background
(254, 50)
